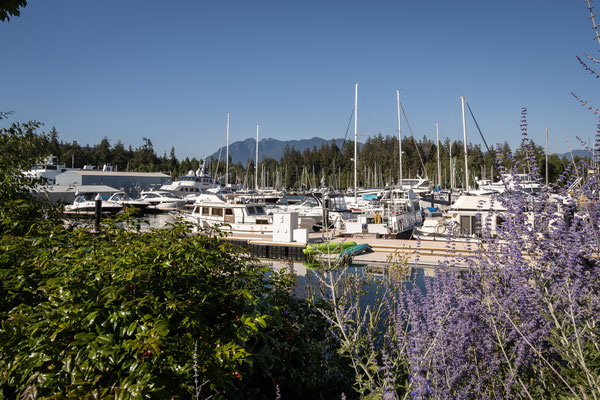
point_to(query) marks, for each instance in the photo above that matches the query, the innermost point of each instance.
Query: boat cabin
(469, 212)
(230, 213)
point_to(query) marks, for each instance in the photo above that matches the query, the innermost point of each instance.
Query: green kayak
(330, 247)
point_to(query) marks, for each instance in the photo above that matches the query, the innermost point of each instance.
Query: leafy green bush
(118, 313)
(122, 312)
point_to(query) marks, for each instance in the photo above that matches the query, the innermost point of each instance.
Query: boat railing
(393, 208)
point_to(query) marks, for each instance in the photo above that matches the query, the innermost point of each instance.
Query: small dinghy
(329, 247)
(354, 250)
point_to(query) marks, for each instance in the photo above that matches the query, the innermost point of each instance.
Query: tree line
(330, 165)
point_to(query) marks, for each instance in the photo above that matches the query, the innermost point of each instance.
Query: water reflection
(146, 221)
(310, 278)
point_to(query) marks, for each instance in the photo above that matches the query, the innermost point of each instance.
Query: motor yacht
(393, 213)
(47, 170)
(127, 202)
(192, 183)
(85, 203)
(161, 200)
(236, 217)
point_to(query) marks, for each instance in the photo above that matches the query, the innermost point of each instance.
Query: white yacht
(393, 213)
(236, 217)
(161, 200)
(307, 208)
(127, 202)
(47, 170)
(522, 182)
(464, 219)
(85, 203)
(192, 183)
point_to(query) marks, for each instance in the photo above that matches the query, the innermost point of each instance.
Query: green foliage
(10, 8)
(118, 313)
(121, 312)
(20, 147)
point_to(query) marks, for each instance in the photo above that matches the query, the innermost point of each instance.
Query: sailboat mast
(452, 178)
(462, 100)
(399, 137)
(546, 156)
(355, 139)
(437, 140)
(227, 155)
(256, 166)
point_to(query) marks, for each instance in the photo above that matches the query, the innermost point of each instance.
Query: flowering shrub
(521, 320)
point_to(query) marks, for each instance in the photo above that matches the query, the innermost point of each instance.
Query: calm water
(372, 276)
(147, 221)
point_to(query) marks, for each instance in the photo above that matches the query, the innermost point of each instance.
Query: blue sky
(170, 71)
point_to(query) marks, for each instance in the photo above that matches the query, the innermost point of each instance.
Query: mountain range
(241, 151)
(577, 153)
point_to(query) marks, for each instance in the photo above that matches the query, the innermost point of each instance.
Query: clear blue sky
(170, 71)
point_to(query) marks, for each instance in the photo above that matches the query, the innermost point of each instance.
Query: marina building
(130, 182)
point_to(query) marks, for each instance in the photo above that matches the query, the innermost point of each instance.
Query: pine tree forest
(329, 165)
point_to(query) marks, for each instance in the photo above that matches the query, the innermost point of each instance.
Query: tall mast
(437, 139)
(256, 166)
(399, 137)
(546, 156)
(227, 155)
(355, 139)
(451, 167)
(462, 100)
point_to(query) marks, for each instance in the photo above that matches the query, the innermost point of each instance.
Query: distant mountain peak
(242, 150)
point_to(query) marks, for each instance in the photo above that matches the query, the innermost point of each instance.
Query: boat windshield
(188, 178)
(307, 203)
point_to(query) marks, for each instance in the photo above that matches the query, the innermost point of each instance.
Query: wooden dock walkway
(418, 253)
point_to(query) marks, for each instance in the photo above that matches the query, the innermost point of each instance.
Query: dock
(422, 253)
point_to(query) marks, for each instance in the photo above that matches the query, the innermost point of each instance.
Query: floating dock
(426, 253)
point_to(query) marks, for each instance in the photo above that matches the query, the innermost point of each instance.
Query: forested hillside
(378, 162)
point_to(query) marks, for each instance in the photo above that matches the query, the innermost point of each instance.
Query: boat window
(205, 211)
(228, 211)
(471, 224)
(260, 210)
(51, 167)
(499, 221)
(250, 210)
(217, 211)
(465, 222)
